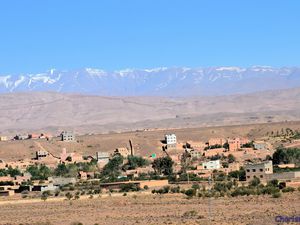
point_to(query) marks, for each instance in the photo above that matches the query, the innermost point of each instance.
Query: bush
(288, 189)
(269, 190)
(239, 174)
(69, 196)
(196, 186)
(190, 192)
(255, 182)
(175, 189)
(242, 191)
(276, 195)
(146, 187)
(273, 183)
(166, 189)
(77, 197)
(129, 187)
(190, 214)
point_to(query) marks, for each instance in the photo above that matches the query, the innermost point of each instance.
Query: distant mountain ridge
(161, 81)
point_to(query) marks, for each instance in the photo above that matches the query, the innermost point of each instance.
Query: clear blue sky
(116, 34)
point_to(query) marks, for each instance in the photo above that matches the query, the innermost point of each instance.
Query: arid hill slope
(35, 112)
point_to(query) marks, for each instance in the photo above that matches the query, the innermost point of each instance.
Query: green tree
(13, 171)
(135, 162)
(163, 165)
(113, 168)
(239, 174)
(286, 155)
(61, 170)
(231, 158)
(41, 172)
(3, 173)
(226, 146)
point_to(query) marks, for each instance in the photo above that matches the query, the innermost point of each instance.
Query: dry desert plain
(152, 209)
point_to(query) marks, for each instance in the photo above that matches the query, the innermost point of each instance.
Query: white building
(170, 139)
(67, 136)
(212, 165)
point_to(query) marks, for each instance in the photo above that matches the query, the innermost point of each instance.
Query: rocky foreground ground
(152, 209)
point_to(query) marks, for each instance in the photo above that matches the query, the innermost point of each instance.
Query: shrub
(129, 187)
(269, 190)
(273, 183)
(190, 192)
(175, 189)
(255, 182)
(242, 191)
(166, 189)
(97, 191)
(196, 186)
(146, 187)
(276, 195)
(77, 197)
(288, 189)
(69, 196)
(190, 214)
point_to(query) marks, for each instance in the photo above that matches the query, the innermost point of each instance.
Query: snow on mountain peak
(155, 70)
(4, 80)
(157, 81)
(232, 68)
(95, 72)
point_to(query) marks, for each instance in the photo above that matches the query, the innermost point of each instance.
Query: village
(219, 166)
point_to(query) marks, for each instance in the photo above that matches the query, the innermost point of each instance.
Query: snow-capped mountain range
(156, 82)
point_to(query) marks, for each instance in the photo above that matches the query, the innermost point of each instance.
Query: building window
(253, 170)
(248, 170)
(261, 176)
(261, 170)
(248, 177)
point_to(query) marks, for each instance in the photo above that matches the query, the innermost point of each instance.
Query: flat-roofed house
(211, 165)
(102, 158)
(67, 136)
(216, 141)
(171, 140)
(259, 170)
(41, 154)
(125, 152)
(3, 138)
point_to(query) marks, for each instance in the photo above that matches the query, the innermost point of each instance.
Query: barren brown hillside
(145, 142)
(40, 112)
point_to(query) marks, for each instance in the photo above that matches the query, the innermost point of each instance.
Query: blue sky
(117, 34)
